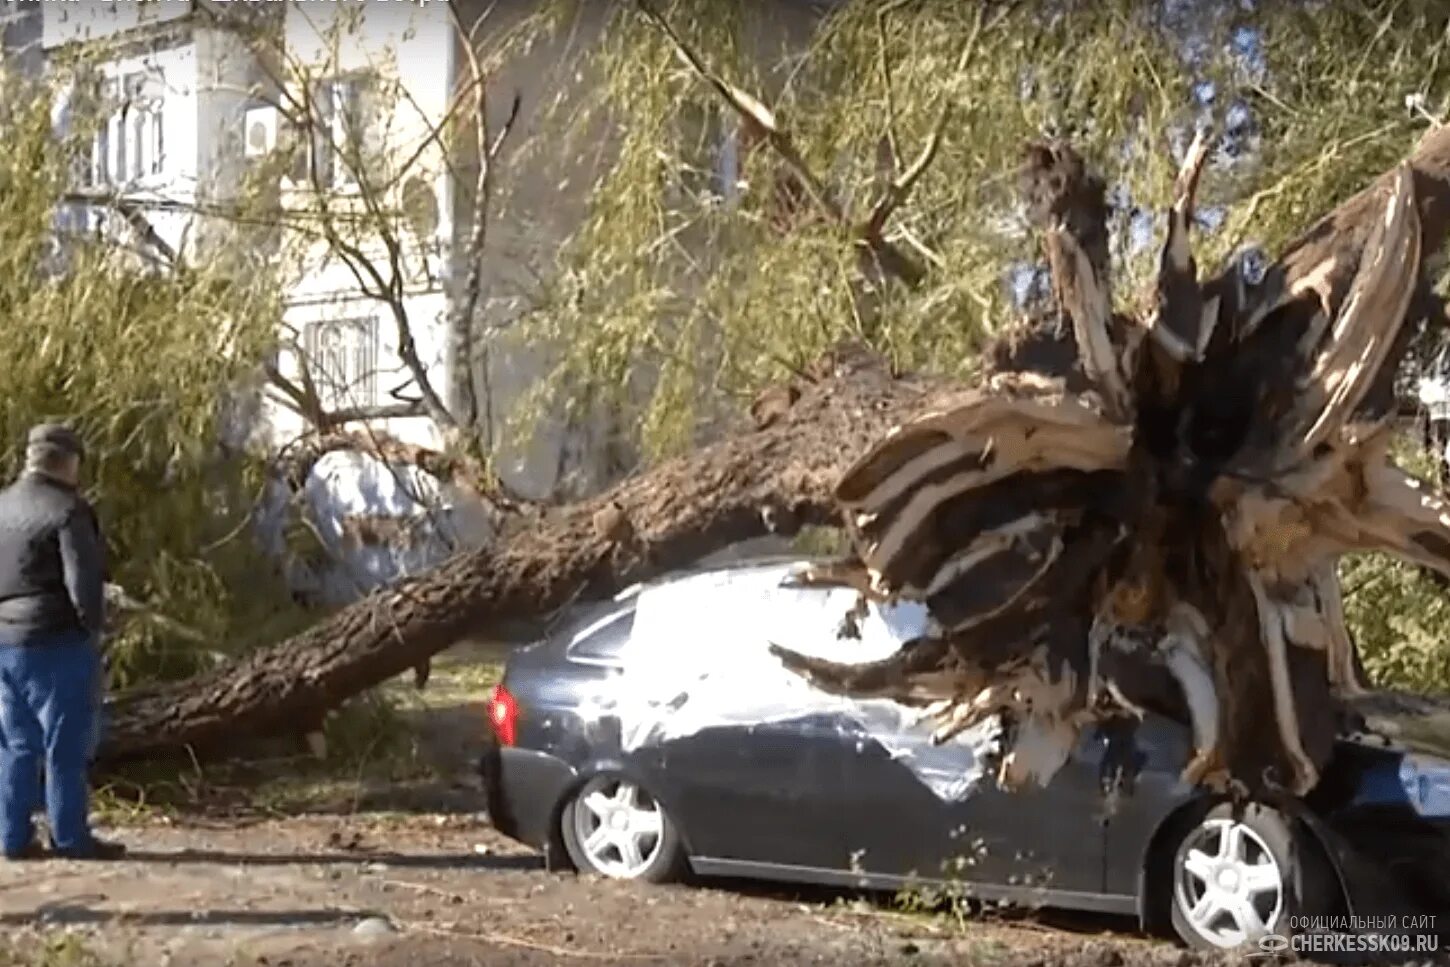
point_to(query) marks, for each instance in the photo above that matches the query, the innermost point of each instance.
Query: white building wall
(409, 45)
(225, 75)
(167, 145)
(84, 21)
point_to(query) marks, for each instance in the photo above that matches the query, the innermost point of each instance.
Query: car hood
(1415, 723)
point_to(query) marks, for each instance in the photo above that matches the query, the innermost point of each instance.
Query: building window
(129, 141)
(342, 127)
(342, 356)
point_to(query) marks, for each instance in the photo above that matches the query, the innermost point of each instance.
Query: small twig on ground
(449, 894)
(511, 941)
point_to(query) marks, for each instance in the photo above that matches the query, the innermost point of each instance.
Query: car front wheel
(1237, 879)
(613, 827)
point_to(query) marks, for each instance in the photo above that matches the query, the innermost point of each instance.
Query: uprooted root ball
(1173, 492)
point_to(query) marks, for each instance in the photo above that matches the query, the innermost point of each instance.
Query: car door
(749, 756)
(1150, 789)
(918, 810)
(962, 826)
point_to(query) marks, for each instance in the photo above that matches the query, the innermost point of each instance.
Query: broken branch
(762, 121)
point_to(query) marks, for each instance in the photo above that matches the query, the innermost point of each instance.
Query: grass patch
(392, 746)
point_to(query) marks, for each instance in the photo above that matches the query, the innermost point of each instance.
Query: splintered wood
(1181, 508)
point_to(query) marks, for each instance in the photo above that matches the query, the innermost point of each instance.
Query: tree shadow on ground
(875, 903)
(69, 914)
(432, 861)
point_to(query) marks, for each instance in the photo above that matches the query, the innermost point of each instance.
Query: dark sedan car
(655, 735)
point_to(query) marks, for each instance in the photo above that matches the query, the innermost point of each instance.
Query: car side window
(603, 640)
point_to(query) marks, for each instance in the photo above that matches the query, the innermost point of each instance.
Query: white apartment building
(188, 108)
(188, 114)
(191, 108)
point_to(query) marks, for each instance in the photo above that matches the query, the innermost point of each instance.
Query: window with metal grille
(129, 141)
(342, 356)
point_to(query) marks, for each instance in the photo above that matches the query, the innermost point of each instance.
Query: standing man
(51, 615)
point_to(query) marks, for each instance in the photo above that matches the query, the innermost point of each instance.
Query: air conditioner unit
(259, 127)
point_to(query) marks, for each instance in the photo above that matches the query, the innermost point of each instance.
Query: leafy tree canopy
(145, 364)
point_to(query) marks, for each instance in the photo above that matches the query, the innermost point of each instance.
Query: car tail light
(503, 715)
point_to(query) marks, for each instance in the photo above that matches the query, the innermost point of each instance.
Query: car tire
(612, 826)
(1238, 878)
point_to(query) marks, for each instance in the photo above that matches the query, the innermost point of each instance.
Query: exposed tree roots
(1173, 490)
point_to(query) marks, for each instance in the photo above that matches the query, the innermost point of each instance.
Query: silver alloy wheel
(1228, 884)
(619, 827)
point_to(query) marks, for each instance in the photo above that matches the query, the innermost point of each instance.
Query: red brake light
(503, 715)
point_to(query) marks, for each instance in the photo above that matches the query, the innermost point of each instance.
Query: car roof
(754, 564)
(589, 611)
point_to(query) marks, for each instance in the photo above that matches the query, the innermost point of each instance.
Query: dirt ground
(447, 890)
(390, 865)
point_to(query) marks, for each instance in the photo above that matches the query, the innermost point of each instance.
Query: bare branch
(371, 280)
(1181, 326)
(302, 398)
(892, 260)
(900, 187)
(887, 85)
(462, 322)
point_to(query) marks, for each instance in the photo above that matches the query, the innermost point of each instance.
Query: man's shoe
(31, 851)
(96, 849)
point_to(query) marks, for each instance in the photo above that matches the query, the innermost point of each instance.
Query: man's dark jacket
(52, 562)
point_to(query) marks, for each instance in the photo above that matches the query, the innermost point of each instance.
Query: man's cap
(56, 436)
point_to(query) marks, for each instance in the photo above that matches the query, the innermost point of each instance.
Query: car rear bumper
(523, 790)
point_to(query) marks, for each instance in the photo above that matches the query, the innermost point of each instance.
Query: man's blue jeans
(48, 720)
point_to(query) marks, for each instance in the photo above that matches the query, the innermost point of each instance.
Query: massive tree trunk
(773, 478)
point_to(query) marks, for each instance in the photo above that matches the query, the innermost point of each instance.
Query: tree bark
(772, 479)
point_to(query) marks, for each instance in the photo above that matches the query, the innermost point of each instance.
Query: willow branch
(892, 259)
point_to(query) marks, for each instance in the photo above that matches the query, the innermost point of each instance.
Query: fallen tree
(1115, 503)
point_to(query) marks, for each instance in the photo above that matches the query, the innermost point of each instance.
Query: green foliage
(1400, 615)
(679, 300)
(142, 362)
(47, 948)
(1331, 104)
